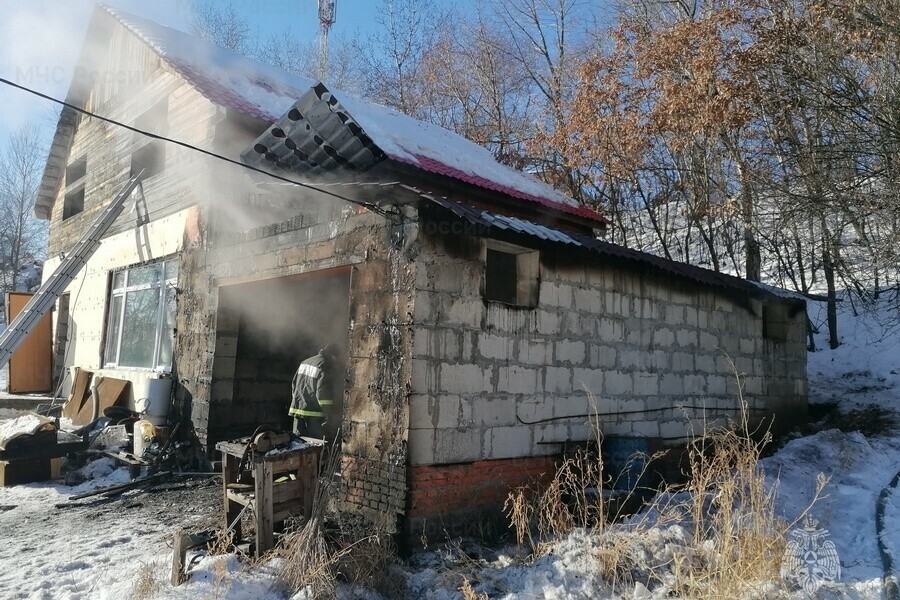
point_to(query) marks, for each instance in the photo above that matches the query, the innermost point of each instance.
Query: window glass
(113, 327)
(168, 316)
(141, 320)
(145, 275)
(139, 328)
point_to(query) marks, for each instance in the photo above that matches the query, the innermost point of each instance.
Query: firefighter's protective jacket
(313, 387)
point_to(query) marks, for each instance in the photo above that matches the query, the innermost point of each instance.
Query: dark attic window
(151, 158)
(150, 154)
(73, 199)
(511, 275)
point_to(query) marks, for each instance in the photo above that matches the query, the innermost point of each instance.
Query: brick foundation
(456, 499)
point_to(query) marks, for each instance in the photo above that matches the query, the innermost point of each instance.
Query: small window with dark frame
(775, 322)
(511, 275)
(73, 198)
(149, 154)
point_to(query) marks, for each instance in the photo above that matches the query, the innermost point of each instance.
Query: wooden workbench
(297, 469)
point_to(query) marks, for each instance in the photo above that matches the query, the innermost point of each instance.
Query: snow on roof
(265, 92)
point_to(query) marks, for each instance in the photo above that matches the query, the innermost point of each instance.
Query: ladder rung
(62, 276)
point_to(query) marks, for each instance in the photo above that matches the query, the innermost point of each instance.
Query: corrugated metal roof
(317, 134)
(683, 270)
(266, 93)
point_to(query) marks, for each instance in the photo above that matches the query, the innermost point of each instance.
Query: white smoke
(40, 42)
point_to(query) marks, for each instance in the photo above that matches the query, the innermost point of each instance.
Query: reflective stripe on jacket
(313, 389)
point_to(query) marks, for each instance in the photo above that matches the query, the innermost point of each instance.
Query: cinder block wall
(375, 406)
(602, 338)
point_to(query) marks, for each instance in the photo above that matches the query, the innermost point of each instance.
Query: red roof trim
(221, 95)
(433, 166)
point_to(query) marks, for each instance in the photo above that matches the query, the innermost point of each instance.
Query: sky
(40, 41)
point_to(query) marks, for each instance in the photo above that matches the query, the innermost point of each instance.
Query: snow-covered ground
(117, 549)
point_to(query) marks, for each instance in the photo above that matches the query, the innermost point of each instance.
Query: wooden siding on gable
(127, 82)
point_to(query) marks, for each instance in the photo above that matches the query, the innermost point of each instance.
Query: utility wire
(222, 157)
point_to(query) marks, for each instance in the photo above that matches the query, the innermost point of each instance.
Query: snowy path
(93, 551)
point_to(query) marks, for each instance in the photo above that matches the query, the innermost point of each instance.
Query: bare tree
(222, 25)
(545, 36)
(406, 31)
(21, 235)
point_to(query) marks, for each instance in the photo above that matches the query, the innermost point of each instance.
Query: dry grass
(468, 593)
(308, 563)
(148, 582)
(736, 539)
(223, 543)
(221, 579)
(370, 560)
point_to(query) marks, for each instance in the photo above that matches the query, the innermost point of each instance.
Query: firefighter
(313, 394)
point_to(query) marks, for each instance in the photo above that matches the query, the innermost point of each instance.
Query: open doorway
(264, 330)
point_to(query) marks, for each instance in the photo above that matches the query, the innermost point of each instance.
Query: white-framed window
(141, 322)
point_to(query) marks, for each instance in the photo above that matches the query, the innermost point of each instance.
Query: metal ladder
(41, 303)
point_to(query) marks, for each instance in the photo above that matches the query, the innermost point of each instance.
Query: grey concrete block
(492, 346)
(421, 446)
(557, 379)
(603, 357)
(463, 378)
(588, 380)
(618, 383)
(646, 384)
(536, 353)
(509, 442)
(493, 412)
(422, 411)
(517, 380)
(663, 338)
(570, 352)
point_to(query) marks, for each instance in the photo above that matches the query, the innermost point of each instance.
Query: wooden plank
(239, 498)
(287, 491)
(45, 451)
(24, 471)
(280, 512)
(265, 535)
(309, 475)
(30, 365)
(126, 458)
(179, 554)
(81, 395)
(230, 474)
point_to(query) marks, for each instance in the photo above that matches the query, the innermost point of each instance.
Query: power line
(215, 155)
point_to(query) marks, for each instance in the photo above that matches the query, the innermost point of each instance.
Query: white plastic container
(144, 432)
(153, 401)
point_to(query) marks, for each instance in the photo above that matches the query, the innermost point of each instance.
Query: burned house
(481, 316)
